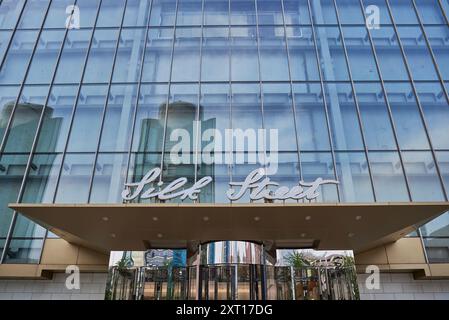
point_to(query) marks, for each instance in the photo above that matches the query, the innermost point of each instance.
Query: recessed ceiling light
(155, 218)
(256, 219)
(358, 218)
(159, 235)
(308, 218)
(303, 235)
(105, 219)
(206, 219)
(113, 235)
(350, 235)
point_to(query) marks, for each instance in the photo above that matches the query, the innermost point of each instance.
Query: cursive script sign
(259, 186)
(171, 191)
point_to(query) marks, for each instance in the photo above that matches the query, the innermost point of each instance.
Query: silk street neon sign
(259, 186)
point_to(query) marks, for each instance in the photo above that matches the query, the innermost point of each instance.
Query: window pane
(8, 97)
(311, 118)
(430, 11)
(158, 55)
(296, 12)
(269, 12)
(243, 12)
(89, 10)
(360, 54)
(129, 55)
(403, 12)
(18, 57)
(445, 5)
(343, 117)
(26, 118)
(56, 121)
(163, 13)
(323, 11)
(443, 163)
(186, 55)
(303, 61)
(331, 53)
(389, 55)
(73, 55)
(320, 165)
(75, 177)
(388, 177)
(383, 10)
(437, 227)
(286, 172)
(5, 36)
(375, 117)
(87, 119)
(422, 176)
(216, 12)
(150, 119)
(137, 13)
(278, 116)
(101, 56)
(57, 16)
(109, 178)
(439, 42)
(119, 118)
(436, 112)
(417, 53)
(350, 12)
(407, 118)
(12, 169)
(189, 13)
(273, 52)
(437, 250)
(34, 13)
(246, 109)
(215, 55)
(43, 64)
(215, 192)
(40, 185)
(353, 175)
(111, 13)
(244, 55)
(215, 107)
(25, 228)
(24, 251)
(9, 13)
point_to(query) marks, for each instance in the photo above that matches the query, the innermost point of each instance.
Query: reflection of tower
(181, 116)
(20, 139)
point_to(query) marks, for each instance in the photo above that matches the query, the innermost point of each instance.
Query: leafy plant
(297, 260)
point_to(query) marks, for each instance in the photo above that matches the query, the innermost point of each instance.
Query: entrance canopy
(330, 226)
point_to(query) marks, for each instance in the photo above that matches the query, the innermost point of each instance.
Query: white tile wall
(402, 286)
(92, 287)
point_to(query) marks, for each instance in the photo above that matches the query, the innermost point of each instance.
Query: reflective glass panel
(388, 177)
(118, 120)
(311, 120)
(354, 178)
(87, 119)
(16, 61)
(75, 178)
(422, 176)
(101, 56)
(26, 119)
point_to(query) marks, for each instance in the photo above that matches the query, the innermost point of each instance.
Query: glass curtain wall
(83, 110)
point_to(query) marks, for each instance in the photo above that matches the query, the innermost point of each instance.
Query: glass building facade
(84, 110)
